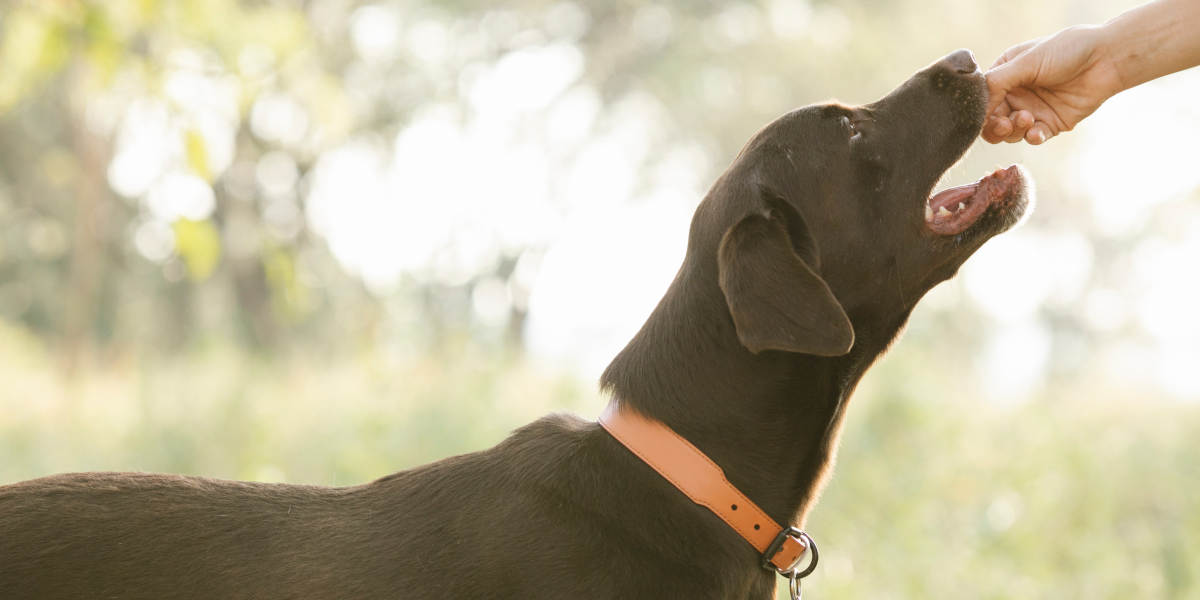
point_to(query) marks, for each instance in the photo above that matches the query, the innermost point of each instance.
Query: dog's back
(90, 535)
(498, 514)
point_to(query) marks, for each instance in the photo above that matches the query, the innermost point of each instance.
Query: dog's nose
(961, 61)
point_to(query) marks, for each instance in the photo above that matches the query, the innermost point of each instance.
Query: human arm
(1045, 86)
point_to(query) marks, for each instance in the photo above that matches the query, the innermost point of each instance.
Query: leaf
(199, 244)
(32, 49)
(289, 296)
(197, 154)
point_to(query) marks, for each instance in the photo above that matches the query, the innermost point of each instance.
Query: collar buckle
(795, 536)
(792, 571)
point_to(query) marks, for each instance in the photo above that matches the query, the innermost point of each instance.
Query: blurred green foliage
(1068, 496)
(1073, 495)
(232, 343)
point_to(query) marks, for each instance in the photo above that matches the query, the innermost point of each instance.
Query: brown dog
(804, 261)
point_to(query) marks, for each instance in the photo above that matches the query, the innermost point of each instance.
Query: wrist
(1152, 40)
(1115, 53)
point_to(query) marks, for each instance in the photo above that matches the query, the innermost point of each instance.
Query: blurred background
(320, 241)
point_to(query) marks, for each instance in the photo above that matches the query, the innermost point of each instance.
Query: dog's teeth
(942, 212)
(928, 212)
(961, 205)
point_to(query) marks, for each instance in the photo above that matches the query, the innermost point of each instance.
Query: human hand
(1045, 86)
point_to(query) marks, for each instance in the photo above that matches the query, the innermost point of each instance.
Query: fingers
(1038, 134)
(1015, 127)
(998, 124)
(1022, 122)
(1004, 78)
(1011, 70)
(996, 129)
(1013, 130)
(1018, 110)
(1003, 75)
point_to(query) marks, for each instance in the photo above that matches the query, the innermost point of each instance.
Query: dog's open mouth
(953, 211)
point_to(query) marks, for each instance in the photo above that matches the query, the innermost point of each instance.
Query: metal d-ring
(794, 576)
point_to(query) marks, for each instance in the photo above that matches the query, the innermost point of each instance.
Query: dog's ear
(777, 300)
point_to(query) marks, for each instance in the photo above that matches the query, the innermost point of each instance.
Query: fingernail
(1039, 137)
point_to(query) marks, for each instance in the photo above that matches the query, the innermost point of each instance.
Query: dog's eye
(852, 128)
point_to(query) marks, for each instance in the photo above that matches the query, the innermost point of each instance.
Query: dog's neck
(770, 420)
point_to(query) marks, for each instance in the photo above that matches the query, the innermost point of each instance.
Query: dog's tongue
(953, 210)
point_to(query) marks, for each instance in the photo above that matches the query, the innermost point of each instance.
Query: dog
(803, 263)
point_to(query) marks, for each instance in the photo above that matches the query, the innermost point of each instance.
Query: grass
(936, 495)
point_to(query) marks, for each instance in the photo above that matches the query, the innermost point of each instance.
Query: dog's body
(502, 523)
(804, 261)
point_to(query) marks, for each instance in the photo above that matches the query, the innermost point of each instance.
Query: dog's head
(824, 227)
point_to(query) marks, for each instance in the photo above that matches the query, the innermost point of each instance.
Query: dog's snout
(961, 61)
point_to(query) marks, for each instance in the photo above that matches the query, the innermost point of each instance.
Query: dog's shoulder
(548, 443)
(556, 427)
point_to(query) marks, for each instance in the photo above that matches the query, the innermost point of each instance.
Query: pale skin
(1045, 86)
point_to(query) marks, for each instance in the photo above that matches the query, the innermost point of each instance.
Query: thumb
(1011, 70)
(1008, 76)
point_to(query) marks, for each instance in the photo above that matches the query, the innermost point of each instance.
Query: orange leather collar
(697, 476)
